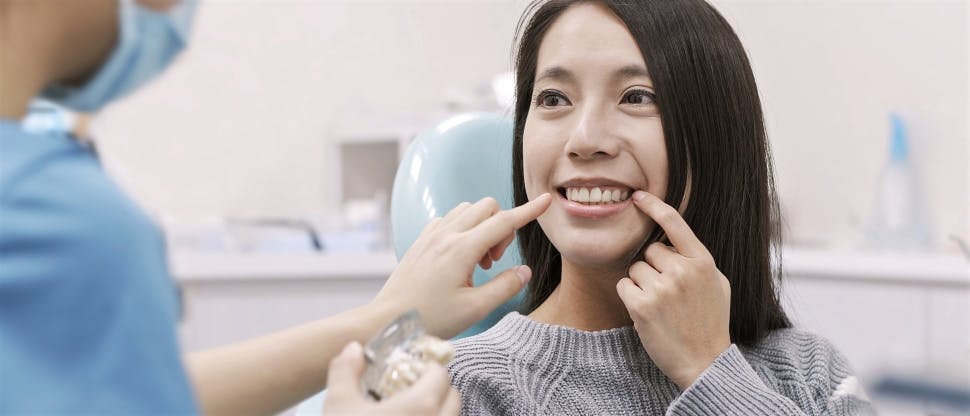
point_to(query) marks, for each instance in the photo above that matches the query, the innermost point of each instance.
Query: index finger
(503, 224)
(677, 230)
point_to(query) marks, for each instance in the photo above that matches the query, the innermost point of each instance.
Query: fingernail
(639, 195)
(353, 347)
(524, 273)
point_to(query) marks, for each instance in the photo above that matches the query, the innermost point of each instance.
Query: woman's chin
(597, 257)
(597, 248)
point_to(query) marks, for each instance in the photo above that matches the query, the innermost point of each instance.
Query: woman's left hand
(679, 301)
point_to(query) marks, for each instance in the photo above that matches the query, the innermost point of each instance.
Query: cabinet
(889, 314)
(232, 297)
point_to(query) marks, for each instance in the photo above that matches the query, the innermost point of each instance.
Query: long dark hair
(714, 132)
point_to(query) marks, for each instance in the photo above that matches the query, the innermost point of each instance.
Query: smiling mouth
(598, 195)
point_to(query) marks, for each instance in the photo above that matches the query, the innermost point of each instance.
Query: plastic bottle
(898, 221)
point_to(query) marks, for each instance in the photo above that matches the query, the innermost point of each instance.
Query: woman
(637, 307)
(87, 308)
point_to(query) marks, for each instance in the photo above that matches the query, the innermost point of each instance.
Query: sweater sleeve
(730, 386)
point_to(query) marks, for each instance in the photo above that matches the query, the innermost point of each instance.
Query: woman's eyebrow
(622, 73)
(631, 71)
(556, 73)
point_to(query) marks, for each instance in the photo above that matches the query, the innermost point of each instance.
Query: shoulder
(83, 285)
(28, 156)
(59, 205)
(789, 371)
(481, 372)
(796, 357)
(795, 347)
(479, 356)
(71, 240)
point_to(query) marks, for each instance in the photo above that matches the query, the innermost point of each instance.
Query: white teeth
(596, 195)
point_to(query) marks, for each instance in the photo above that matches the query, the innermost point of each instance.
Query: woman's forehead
(588, 39)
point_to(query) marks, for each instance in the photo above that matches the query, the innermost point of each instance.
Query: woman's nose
(591, 138)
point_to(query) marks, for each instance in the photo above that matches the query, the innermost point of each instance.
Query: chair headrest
(464, 158)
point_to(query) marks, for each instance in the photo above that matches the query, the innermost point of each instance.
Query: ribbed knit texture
(523, 367)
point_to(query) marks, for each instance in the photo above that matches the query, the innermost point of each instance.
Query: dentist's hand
(679, 301)
(431, 395)
(435, 275)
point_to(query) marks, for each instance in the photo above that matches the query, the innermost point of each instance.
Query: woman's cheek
(533, 169)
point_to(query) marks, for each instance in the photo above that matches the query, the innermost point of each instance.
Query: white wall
(830, 73)
(240, 125)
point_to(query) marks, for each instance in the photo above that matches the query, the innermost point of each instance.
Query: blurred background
(272, 144)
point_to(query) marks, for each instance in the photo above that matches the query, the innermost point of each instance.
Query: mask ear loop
(182, 17)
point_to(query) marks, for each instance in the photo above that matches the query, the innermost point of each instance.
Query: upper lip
(589, 182)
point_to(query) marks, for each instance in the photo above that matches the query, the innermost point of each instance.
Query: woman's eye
(638, 97)
(551, 99)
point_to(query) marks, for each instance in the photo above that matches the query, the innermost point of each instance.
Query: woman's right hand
(431, 395)
(435, 275)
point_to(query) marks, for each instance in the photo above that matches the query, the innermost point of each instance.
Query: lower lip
(592, 211)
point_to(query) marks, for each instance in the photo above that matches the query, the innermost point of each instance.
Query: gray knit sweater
(523, 367)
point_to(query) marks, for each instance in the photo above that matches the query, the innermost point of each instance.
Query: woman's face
(593, 136)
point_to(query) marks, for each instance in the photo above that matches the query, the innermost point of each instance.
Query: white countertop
(898, 268)
(199, 266)
(901, 268)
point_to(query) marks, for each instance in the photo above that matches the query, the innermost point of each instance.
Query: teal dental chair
(464, 158)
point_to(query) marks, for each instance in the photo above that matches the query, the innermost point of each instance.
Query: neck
(23, 71)
(585, 299)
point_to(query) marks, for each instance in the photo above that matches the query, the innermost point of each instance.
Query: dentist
(87, 307)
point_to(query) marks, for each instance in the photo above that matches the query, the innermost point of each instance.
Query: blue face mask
(148, 41)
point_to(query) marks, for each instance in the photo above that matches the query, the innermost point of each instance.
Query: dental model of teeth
(597, 195)
(405, 365)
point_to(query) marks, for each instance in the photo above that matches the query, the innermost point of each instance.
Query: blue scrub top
(87, 307)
